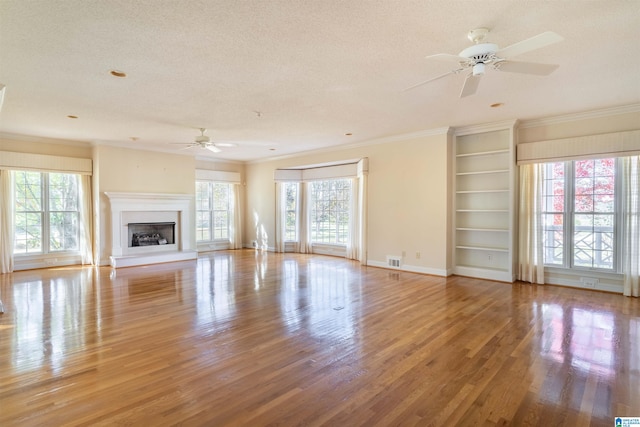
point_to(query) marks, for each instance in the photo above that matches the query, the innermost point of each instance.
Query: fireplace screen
(151, 233)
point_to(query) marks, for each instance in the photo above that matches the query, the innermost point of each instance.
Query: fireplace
(149, 228)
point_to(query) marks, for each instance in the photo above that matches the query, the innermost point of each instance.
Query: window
(330, 206)
(291, 212)
(47, 213)
(579, 214)
(213, 211)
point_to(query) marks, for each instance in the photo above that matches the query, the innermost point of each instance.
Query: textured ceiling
(281, 77)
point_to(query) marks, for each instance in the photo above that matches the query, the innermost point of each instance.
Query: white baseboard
(409, 268)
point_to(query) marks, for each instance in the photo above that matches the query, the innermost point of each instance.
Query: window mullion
(620, 208)
(44, 180)
(569, 173)
(212, 217)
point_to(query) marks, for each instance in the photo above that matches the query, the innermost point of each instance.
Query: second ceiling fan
(204, 142)
(482, 55)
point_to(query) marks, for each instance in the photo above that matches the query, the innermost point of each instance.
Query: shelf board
(501, 274)
(482, 248)
(483, 153)
(483, 172)
(481, 191)
(499, 230)
(483, 210)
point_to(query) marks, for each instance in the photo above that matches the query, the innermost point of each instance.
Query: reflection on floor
(254, 338)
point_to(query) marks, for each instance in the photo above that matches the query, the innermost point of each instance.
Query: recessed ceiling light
(497, 105)
(272, 149)
(134, 138)
(72, 117)
(117, 73)
(348, 134)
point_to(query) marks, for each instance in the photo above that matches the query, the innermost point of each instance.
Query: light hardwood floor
(247, 338)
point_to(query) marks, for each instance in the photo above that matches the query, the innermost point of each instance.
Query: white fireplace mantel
(126, 207)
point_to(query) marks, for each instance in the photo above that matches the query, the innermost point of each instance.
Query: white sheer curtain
(304, 238)
(631, 240)
(530, 255)
(357, 244)
(6, 221)
(280, 216)
(236, 223)
(353, 242)
(363, 183)
(86, 220)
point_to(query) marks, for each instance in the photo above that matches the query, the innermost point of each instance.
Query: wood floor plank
(252, 338)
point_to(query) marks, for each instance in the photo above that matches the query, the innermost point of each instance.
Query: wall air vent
(393, 261)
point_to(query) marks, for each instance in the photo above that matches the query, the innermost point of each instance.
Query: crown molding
(585, 115)
(485, 127)
(384, 140)
(42, 139)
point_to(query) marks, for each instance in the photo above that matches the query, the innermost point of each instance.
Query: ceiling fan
(204, 142)
(480, 55)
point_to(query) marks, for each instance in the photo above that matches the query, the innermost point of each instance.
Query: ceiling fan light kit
(478, 56)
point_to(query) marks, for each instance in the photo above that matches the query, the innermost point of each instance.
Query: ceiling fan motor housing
(483, 52)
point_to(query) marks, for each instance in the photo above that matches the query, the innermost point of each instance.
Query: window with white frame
(580, 214)
(291, 211)
(330, 211)
(47, 213)
(213, 211)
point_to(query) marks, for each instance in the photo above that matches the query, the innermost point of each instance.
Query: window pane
(63, 212)
(553, 239)
(28, 233)
(203, 226)
(202, 196)
(63, 231)
(553, 206)
(330, 211)
(63, 192)
(291, 212)
(221, 227)
(28, 194)
(221, 208)
(594, 219)
(28, 212)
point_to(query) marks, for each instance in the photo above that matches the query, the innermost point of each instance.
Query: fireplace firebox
(151, 233)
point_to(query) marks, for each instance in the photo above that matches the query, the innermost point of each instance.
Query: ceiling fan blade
(225, 144)
(432, 79)
(533, 43)
(447, 57)
(470, 85)
(213, 148)
(527, 67)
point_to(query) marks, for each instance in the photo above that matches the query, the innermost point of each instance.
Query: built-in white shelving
(484, 202)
